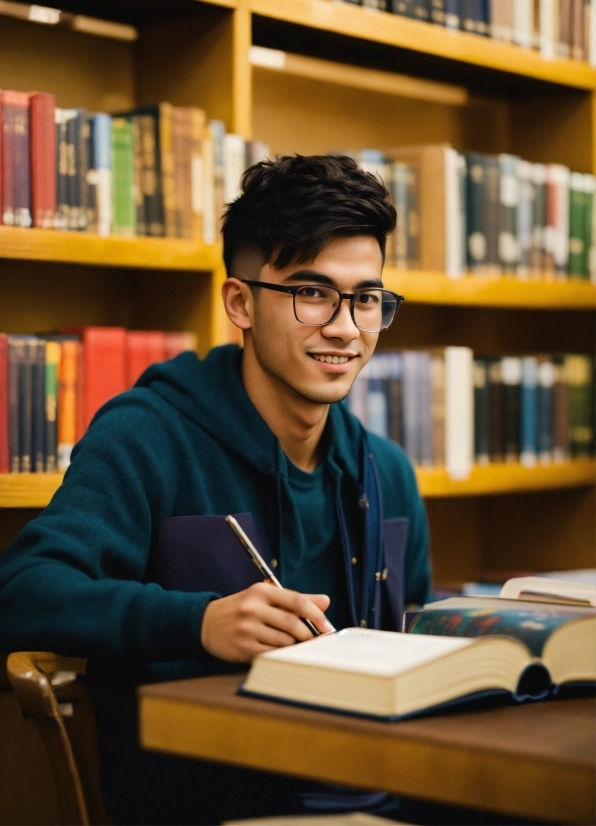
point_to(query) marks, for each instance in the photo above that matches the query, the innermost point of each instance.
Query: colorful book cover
(123, 198)
(52, 366)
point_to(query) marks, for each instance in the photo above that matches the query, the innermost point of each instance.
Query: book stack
(160, 170)
(487, 214)
(557, 29)
(51, 386)
(446, 408)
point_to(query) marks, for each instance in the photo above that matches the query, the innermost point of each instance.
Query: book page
(544, 588)
(365, 651)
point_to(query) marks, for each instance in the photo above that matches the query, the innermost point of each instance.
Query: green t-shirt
(316, 565)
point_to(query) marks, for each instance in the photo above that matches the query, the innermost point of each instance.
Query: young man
(132, 564)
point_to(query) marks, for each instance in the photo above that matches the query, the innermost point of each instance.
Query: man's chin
(324, 395)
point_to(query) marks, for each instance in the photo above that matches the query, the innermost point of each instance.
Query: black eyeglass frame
(351, 297)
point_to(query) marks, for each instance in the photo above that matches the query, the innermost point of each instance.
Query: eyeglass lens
(374, 310)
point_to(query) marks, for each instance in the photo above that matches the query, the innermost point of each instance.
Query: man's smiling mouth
(331, 359)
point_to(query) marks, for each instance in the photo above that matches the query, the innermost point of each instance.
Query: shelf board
(394, 30)
(86, 248)
(507, 478)
(423, 287)
(34, 490)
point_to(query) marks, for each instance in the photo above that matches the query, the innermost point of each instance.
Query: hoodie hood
(210, 393)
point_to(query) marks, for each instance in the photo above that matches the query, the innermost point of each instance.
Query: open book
(524, 653)
(543, 589)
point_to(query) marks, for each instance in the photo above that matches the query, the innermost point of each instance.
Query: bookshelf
(310, 76)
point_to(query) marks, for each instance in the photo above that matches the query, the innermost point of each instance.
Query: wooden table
(536, 761)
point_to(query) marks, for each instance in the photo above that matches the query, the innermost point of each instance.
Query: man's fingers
(285, 621)
(301, 605)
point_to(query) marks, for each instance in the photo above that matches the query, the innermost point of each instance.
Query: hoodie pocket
(201, 553)
(395, 539)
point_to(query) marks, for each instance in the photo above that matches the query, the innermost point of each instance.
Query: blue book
(377, 417)
(529, 411)
(100, 178)
(546, 387)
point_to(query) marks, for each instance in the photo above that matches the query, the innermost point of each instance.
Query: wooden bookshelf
(28, 490)
(402, 33)
(424, 287)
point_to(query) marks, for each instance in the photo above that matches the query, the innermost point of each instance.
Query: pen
(265, 570)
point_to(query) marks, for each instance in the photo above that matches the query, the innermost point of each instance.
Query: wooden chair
(48, 691)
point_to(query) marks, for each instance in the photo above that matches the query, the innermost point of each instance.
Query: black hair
(292, 207)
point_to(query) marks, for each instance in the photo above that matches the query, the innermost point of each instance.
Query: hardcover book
(43, 159)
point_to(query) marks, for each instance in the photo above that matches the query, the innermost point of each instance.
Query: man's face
(317, 363)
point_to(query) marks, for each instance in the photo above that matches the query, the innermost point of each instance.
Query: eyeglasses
(373, 310)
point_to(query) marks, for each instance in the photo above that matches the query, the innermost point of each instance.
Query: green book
(577, 266)
(589, 226)
(52, 365)
(123, 178)
(508, 243)
(580, 390)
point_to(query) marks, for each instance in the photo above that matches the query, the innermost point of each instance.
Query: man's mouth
(331, 359)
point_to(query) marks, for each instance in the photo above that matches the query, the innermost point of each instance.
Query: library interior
(466, 441)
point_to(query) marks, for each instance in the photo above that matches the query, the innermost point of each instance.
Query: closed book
(472, 16)
(137, 138)
(53, 351)
(529, 411)
(377, 419)
(511, 374)
(379, 5)
(104, 352)
(411, 418)
(402, 7)
(425, 411)
(26, 372)
(548, 33)
(437, 12)
(157, 176)
(580, 380)
(495, 411)
(589, 231)
(143, 348)
(523, 23)
(197, 170)
(477, 213)
(437, 393)
(123, 200)
(577, 29)
(73, 172)
(101, 176)
(524, 217)
(43, 159)
(4, 452)
(459, 411)
(577, 242)
(420, 10)
(16, 161)
(38, 413)
(234, 156)
(413, 217)
(560, 411)
(217, 130)
(210, 227)
(399, 196)
(537, 251)
(83, 148)
(564, 42)
(557, 225)
(181, 140)
(509, 248)
(394, 393)
(452, 14)
(68, 384)
(16, 354)
(481, 412)
(61, 217)
(546, 383)
(455, 261)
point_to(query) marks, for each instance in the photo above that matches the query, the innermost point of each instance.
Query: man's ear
(238, 301)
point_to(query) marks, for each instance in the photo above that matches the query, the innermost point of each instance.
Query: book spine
(167, 168)
(550, 229)
(377, 419)
(437, 12)
(394, 392)
(183, 169)
(358, 395)
(492, 194)
(123, 202)
(577, 246)
(218, 130)
(38, 407)
(420, 10)
(524, 218)
(546, 382)
(547, 29)
(399, 189)
(564, 44)
(529, 411)
(424, 403)
(459, 412)
(52, 367)
(580, 379)
(454, 266)
(589, 233)
(413, 217)
(139, 198)
(537, 251)
(452, 16)
(151, 179)
(509, 248)
(411, 421)
(101, 127)
(67, 401)
(523, 23)
(15, 357)
(26, 404)
(577, 30)
(4, 452)
(209, 219)
(476, 218)
(560, 411)
(401, 7)
(73, 174)
(7, 161)
(62, 208)
(481, 412)
(104, 350)
(197, 171)
(511, 373)
(83, 161)
(495, 411)
(468, 16)
(18, 103)
(43, 159)
(437, 388)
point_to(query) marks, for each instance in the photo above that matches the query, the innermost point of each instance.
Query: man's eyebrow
(319, 278)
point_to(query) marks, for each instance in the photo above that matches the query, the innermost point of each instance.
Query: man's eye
(368, 299)
(311, 292)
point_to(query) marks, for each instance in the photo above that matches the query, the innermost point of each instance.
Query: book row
(447, 408)
(487, 214)
(557, 28)
(51, 386)
(160, 170)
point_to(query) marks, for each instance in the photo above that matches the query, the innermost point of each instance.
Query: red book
(4, 468)
(16, 163)
(104, 359)
(142, 350)
(177, 343)
(43, 159)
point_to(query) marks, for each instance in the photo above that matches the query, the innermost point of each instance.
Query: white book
(454, 265)
(208, 200)
(459, 411)
(547, 29)
(234, 158)
(523, 23)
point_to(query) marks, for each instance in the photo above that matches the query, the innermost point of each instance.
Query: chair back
(47, 689)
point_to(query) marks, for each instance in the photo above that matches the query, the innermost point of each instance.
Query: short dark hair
(292, 207)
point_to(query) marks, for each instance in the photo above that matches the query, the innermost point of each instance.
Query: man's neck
(297, 423)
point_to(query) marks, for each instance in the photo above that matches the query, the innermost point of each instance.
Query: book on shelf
(52, 385)
(474, 648)
(447, 408)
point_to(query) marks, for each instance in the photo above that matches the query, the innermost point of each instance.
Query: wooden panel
(457, 538)
(533, 761)
(28, 490)
(420, 37)
(83, 248)
(81, 70)
(436, 288)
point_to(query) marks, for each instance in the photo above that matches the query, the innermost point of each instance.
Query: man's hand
(263, 617)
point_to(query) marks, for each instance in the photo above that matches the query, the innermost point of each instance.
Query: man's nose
(343, 325)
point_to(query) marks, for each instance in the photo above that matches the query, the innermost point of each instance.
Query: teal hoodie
(186, 440)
